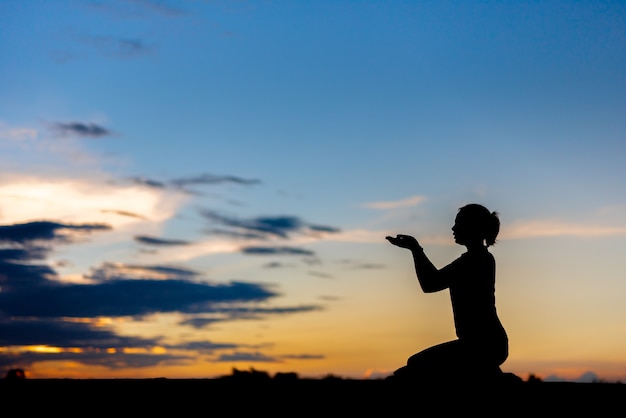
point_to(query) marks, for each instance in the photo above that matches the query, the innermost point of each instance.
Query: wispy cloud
(554, 228)
(27, 233)
(212, 179)
(247, 357)
(16, 134)
(120, 271)
(277, 251)
(81, 200)
(200, 180)
(67, 318)
(159, 242)
(281, 226)
(408, 202)
(80, 129)
(117, 47)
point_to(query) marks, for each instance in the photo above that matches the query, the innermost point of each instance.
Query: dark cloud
(276, 251)
(199, 180)
(127, 298)
(81, 130)
(22, 245)
(39, 310)
(199, 323)
(231, 313)
(22, 254)
(250, 357)
(304, 356)
(117, 47)
(36, 308)
(64, 334)
(159, 241)
(21, 273)
(29, 232)
(257, 312)
(206, 346)
(236, 234)
(276, 226)
(121, 271)
(111, 360)
(275, 265)
(123, 213)
(322, 228)
(155, 184)
(212, 179)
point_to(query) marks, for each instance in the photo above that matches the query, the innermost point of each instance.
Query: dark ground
(304, 397)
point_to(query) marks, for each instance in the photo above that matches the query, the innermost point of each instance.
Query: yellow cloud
(28, 198)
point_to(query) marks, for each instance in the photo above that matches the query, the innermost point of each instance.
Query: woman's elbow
(430, 288)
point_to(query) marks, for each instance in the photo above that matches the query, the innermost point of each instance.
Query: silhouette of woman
(482, 342)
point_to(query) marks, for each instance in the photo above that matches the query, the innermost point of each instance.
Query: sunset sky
(188, 187)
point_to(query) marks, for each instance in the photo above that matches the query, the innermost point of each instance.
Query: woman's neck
(475, 246)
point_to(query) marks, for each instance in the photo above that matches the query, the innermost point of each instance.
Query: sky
(192, 187)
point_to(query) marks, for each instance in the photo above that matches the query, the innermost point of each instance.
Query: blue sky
(173, 150)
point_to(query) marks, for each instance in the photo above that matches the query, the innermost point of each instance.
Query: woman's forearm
(427, 273)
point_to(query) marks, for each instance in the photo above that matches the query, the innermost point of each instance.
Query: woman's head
(475, 222)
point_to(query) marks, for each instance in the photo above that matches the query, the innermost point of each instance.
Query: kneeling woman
(482, 344)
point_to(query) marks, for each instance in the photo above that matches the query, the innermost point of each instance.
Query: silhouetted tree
(15, 374)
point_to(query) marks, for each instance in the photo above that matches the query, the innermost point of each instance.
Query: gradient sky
(188, 187)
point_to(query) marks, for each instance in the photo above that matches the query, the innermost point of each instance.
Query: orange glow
(134, 350)
(44, 349)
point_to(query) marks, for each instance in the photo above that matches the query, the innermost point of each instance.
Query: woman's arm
(430, 279)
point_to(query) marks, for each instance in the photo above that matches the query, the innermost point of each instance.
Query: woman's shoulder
(477, 256)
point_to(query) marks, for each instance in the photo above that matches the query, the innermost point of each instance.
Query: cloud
(358, 265)
(23, 244)
(159, 241)
(554, 228)
(120, 271)
(206, 346)
(67, 318)
(123, 297)
(200, 180)
(276, 251)
(199, 322)
(17, 134)
(80, 130)
(212, 179)
(248, 357)
(111, 359)
(63, 334)
(45, 231)
(304, 356)
(408, 202)
(117, 47)
(26, 198)
(123, 213)
(269, 226)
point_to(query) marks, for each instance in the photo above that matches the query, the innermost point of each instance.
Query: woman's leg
(438, 362)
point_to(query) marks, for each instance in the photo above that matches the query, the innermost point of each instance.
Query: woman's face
(461, 229)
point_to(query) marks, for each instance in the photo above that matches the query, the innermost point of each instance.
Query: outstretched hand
(404, 241)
